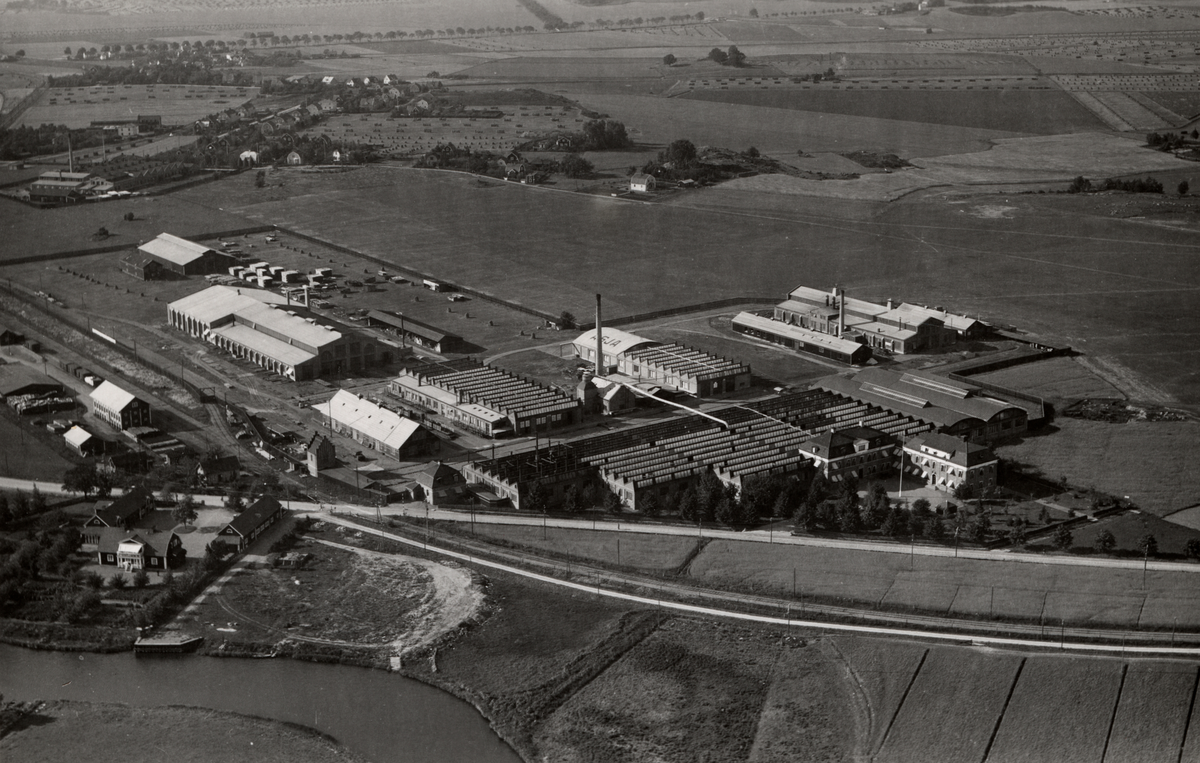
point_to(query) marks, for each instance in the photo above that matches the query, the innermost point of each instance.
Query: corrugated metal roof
(174, 249)
(112, 397)
(388, 427)
(265, 344)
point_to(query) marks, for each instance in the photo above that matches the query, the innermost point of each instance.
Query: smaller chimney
(889, 304)
(842, 314)
(599, 341)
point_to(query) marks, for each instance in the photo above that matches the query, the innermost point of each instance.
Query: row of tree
(1137, 185)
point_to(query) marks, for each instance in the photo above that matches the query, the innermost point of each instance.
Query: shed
(18, 379)
(83, 442)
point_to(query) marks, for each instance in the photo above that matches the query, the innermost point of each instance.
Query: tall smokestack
(842, 313)
(599, 341)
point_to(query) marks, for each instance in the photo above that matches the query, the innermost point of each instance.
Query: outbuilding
(185, 258)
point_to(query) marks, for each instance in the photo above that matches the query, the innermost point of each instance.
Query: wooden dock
(167, 643)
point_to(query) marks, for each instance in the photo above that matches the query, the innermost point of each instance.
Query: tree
(689, 509)
(575, 166)
(1016, 534)
(141, 579)
(753, 13)
(726, 511)
(735, 57)
(1105, 542)
(668, 59)
(1148, 545)
(19, 505)
(566, 320)
(117, 582)
(1079, 185)
(570, 503)
(1192, 548)
(185, 509)
(67, 51)
(649, 504)
(1063, 539)
(612, 502)
(979, 528)
(234, 501)
(894, 523)
(718, 55)
(921, 507)
(260, 179)
(37, 501)
(80, 479)
(1183, 187)
(934, 529)
(535, 499)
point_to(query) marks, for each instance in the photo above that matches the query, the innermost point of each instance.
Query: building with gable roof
(948, 462)
(374, 426)
(83, 442)
(139, 550)
(441, 484)
(253, 521)
(185, 258)
(283, 338)
(118, 408)
(863, 452)
(135, 504)
(666, 364)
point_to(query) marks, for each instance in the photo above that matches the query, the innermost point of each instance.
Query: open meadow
(176, 104)
(1057, 379)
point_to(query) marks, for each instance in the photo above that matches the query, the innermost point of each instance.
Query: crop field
(884, 670)
(1054, 379)
(176, 104)
(1152, 463)
(1060, 710)
(565, 69)
(1152, 714)
(416, 135)
(784, 130)
(940, 699)
(1013, 110)
(945, 585)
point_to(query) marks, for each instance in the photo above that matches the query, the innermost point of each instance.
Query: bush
(141, 579)
(117, 582)
(93, 580)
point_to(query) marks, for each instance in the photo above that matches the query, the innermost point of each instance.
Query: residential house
(441, 484)
(139, 550)
(642, 183)
(123, 512)
(218, 471)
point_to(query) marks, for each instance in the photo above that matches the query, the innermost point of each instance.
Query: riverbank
(70, 730)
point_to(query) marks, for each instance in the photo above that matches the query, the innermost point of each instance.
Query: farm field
(1152, 714)
(1082, 695)
(939, 699)
(176, 104)
(1151, 462)
(659, 120)
(945, 585)
(1054, 379)
(884, 671)
(1023, 111)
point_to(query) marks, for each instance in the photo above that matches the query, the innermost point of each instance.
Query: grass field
(1028, 592)
(66, 730)
(176, 104)
(1151, 462)
(1025, 111)
(940, 699)
(646, 552)
(33, 453)
(1060, 710)
(1054, 379)
(1128, 528)
(1152, 713)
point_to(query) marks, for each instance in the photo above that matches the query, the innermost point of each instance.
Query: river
(385, 717)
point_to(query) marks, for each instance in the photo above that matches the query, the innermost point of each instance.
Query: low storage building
(83, 442)
(415, 332)
(118, 408)
(18, 379)
(801, 339)
(948, 462)
(184, 258)
(375, 427)
(485, 399)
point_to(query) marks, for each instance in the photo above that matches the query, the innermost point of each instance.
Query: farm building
(17, 379)
(141, 550)
(801, 339)
(948, 462)
(185, 258)
(253, 522)
(9, 336)
(952, 407)
(374, 426)
(118, 408)
(82, 441)
(123, 512)
(486, 399)
(663, 459)
(642, 183)
(669, 365)
(414, 331)
(282, 338)
(861, 451)
(897, 328)
(441, 484)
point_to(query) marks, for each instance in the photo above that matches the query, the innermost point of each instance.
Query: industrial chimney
(842, 313)
(599, 341)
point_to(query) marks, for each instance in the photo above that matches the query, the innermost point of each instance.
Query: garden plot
(958, 690)
(1152, 714)
(176, 104)
(1060, 710)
